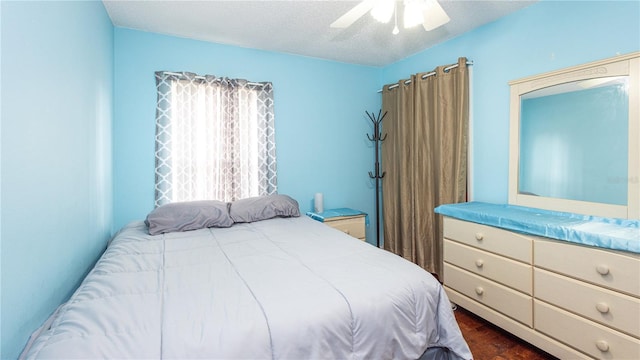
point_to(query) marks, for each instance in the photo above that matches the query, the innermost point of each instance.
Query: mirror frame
(622, 65)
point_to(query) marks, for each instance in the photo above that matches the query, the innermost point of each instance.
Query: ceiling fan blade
(352, 15)
(434, 16)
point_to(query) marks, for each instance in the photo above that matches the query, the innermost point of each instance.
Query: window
(214, 138)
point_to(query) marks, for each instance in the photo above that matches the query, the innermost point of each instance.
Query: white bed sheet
(289, 288)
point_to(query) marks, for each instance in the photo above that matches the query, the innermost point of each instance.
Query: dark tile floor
(488, 342)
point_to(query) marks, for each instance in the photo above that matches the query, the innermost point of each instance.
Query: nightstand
(349, 221)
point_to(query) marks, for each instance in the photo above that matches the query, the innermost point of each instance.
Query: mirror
(574, 139)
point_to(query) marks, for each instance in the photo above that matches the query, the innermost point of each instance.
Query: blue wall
(546, 36)
(319, 114)
(57, 82)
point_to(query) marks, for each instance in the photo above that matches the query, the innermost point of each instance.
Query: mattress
(285, 288)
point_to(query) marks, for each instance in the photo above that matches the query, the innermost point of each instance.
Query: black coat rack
(377, 138)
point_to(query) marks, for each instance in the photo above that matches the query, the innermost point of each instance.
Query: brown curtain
(425, 160)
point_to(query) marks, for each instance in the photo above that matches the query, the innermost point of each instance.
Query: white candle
(318, 207)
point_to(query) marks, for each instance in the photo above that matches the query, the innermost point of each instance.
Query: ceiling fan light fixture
(434, 15)
(429, 13)
(413, 13)
(383, 10)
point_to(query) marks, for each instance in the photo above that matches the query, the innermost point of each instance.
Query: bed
(279, 288)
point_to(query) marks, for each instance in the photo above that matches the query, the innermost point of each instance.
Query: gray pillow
(263, 207)
(188, 215)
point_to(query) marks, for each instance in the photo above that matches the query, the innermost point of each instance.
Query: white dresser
(571, 300)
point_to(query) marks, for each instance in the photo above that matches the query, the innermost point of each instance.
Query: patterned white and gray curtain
(214, 138)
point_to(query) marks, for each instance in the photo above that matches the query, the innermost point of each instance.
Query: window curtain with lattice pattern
(214, 138)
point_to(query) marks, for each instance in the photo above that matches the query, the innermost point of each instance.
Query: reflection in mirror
(573, 141)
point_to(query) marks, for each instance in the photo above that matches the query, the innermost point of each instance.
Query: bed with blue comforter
(284, 288)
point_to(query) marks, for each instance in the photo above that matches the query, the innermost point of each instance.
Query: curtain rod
(203, 78)
(407, 82)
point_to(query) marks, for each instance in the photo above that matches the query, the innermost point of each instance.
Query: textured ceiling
(302, 27)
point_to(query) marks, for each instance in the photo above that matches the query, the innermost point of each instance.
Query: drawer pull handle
(479, 263)
(602, 345)
(602, 269)
(479, 290)
(602, 307)
(479, 236)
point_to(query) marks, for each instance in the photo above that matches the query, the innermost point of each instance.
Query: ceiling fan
(429, 13)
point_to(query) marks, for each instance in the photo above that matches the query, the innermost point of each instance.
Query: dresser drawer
(512, 303)
(508, 272)
(616, 310)
(593, 339)
(353, 226)
(498, 241)
(613, 270)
